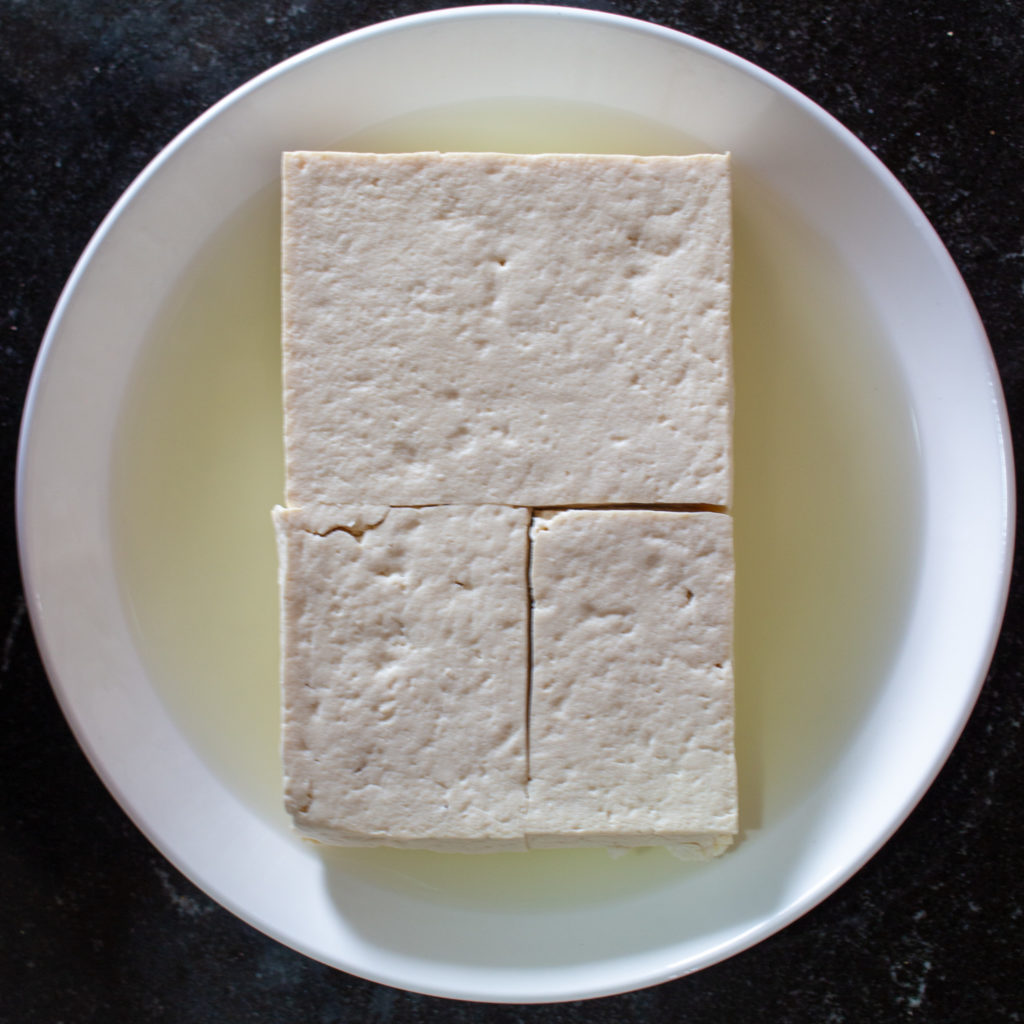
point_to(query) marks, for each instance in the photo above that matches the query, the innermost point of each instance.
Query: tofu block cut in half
(405, 675)
(522, 330)
(631, 713)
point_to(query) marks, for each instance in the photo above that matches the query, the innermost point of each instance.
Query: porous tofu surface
(523, 330)
(631, 714)
(474, 343)
(405, 675)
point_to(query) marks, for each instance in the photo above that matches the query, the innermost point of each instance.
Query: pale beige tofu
(404, 664)
(631, 714)
(524, 330)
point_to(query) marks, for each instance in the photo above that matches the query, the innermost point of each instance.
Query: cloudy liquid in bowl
(826, 509)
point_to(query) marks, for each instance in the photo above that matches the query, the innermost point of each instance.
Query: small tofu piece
(404, 665)
(631, 714)
(525, 330)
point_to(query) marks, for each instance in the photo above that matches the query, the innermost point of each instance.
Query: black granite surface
(95, 926)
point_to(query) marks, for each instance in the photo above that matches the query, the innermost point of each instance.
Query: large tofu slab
(524, 330)
(631, 716)
(405, 675)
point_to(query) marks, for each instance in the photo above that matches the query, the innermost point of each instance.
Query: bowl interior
(822, 427)
(836, 516)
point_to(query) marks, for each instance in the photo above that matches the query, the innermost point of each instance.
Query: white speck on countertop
(915, 1000)
(914, 987)
(12, 631)
(185, 905)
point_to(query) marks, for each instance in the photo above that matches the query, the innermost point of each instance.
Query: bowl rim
(998, 595)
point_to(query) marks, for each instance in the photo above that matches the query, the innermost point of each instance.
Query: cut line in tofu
(404, 666)
(523, 330)
(631, 708)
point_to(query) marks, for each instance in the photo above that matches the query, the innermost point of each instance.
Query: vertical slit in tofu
(529, 638)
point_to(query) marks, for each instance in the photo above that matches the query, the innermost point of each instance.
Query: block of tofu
(404, 669)
(524, 330)
(631, 714)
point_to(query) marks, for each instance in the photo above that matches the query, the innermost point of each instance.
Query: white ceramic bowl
(874, 513)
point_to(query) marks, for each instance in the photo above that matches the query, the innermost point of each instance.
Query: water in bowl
(826, 508)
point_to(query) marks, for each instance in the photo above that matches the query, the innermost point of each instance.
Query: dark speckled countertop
(98, 927)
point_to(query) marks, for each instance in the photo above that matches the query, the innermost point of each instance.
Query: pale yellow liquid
(826, 510)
